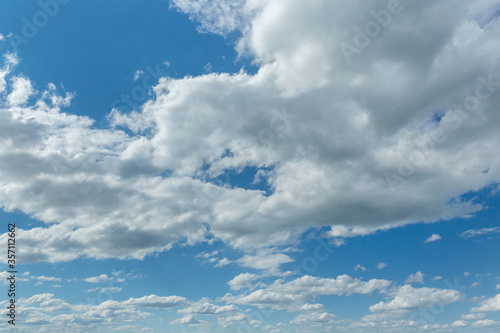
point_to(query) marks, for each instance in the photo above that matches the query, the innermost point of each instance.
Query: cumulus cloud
(459, 323)
(418, 277)
(314, 318)
(265, 260)
(188, 320)
(473, 316)
(381, 265)
(154, 301)
(232, 320)
(406, 298)
(294, 294)
(352, 145)
(22, 90)
(206, 308)
(243, 280)
(56, 314)
(432, 238)
(97, 279)
(490, 304)
(358, 267)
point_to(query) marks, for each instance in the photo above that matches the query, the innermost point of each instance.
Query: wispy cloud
(479, 232)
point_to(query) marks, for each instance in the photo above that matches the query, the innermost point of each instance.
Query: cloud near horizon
(388, 138)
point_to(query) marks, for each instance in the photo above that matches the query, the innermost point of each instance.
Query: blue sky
(251, 166)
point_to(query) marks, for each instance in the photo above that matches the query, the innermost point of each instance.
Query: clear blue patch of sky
(93, 48)
(245, 179)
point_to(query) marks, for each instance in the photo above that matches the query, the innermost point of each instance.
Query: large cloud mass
(349, 122)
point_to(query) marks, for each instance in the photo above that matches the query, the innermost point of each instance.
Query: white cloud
(243, 280)
(490, 304)
(381, 265)
(479, 232)
(418, 277)
(22, 90)
(154, 301)
(311, 307)
(485, 323)
(45, 278)
(343, 154)
(138, 74)
(10, 60)
(314, 318)
(232, 320)
(358, 267)
(205, 308)
(105, 289)
(188, 320)
(222, 262)
(97, 279)
(498, 287)
(220, 17)
(459, 323)
(432, 238)
(265, 260)
(45, 309)
(473, 316)
(407, 298)
(294, 294)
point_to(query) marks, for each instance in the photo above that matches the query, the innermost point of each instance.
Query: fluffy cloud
(219, 17)
(491, 304)
(97, 279)
(232, 320)
(459, 323)
(418, 277)
(188, 320)
(205, 308)
(22, 90)
(314, 318)
(432, 238)
(243, 280)
(51, 313)
(390, 138)
(294, 294)
(263, 260)
(153, 301)
(358, 267)
(407, 298)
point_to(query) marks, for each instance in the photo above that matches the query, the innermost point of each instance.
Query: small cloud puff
(433, 238)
